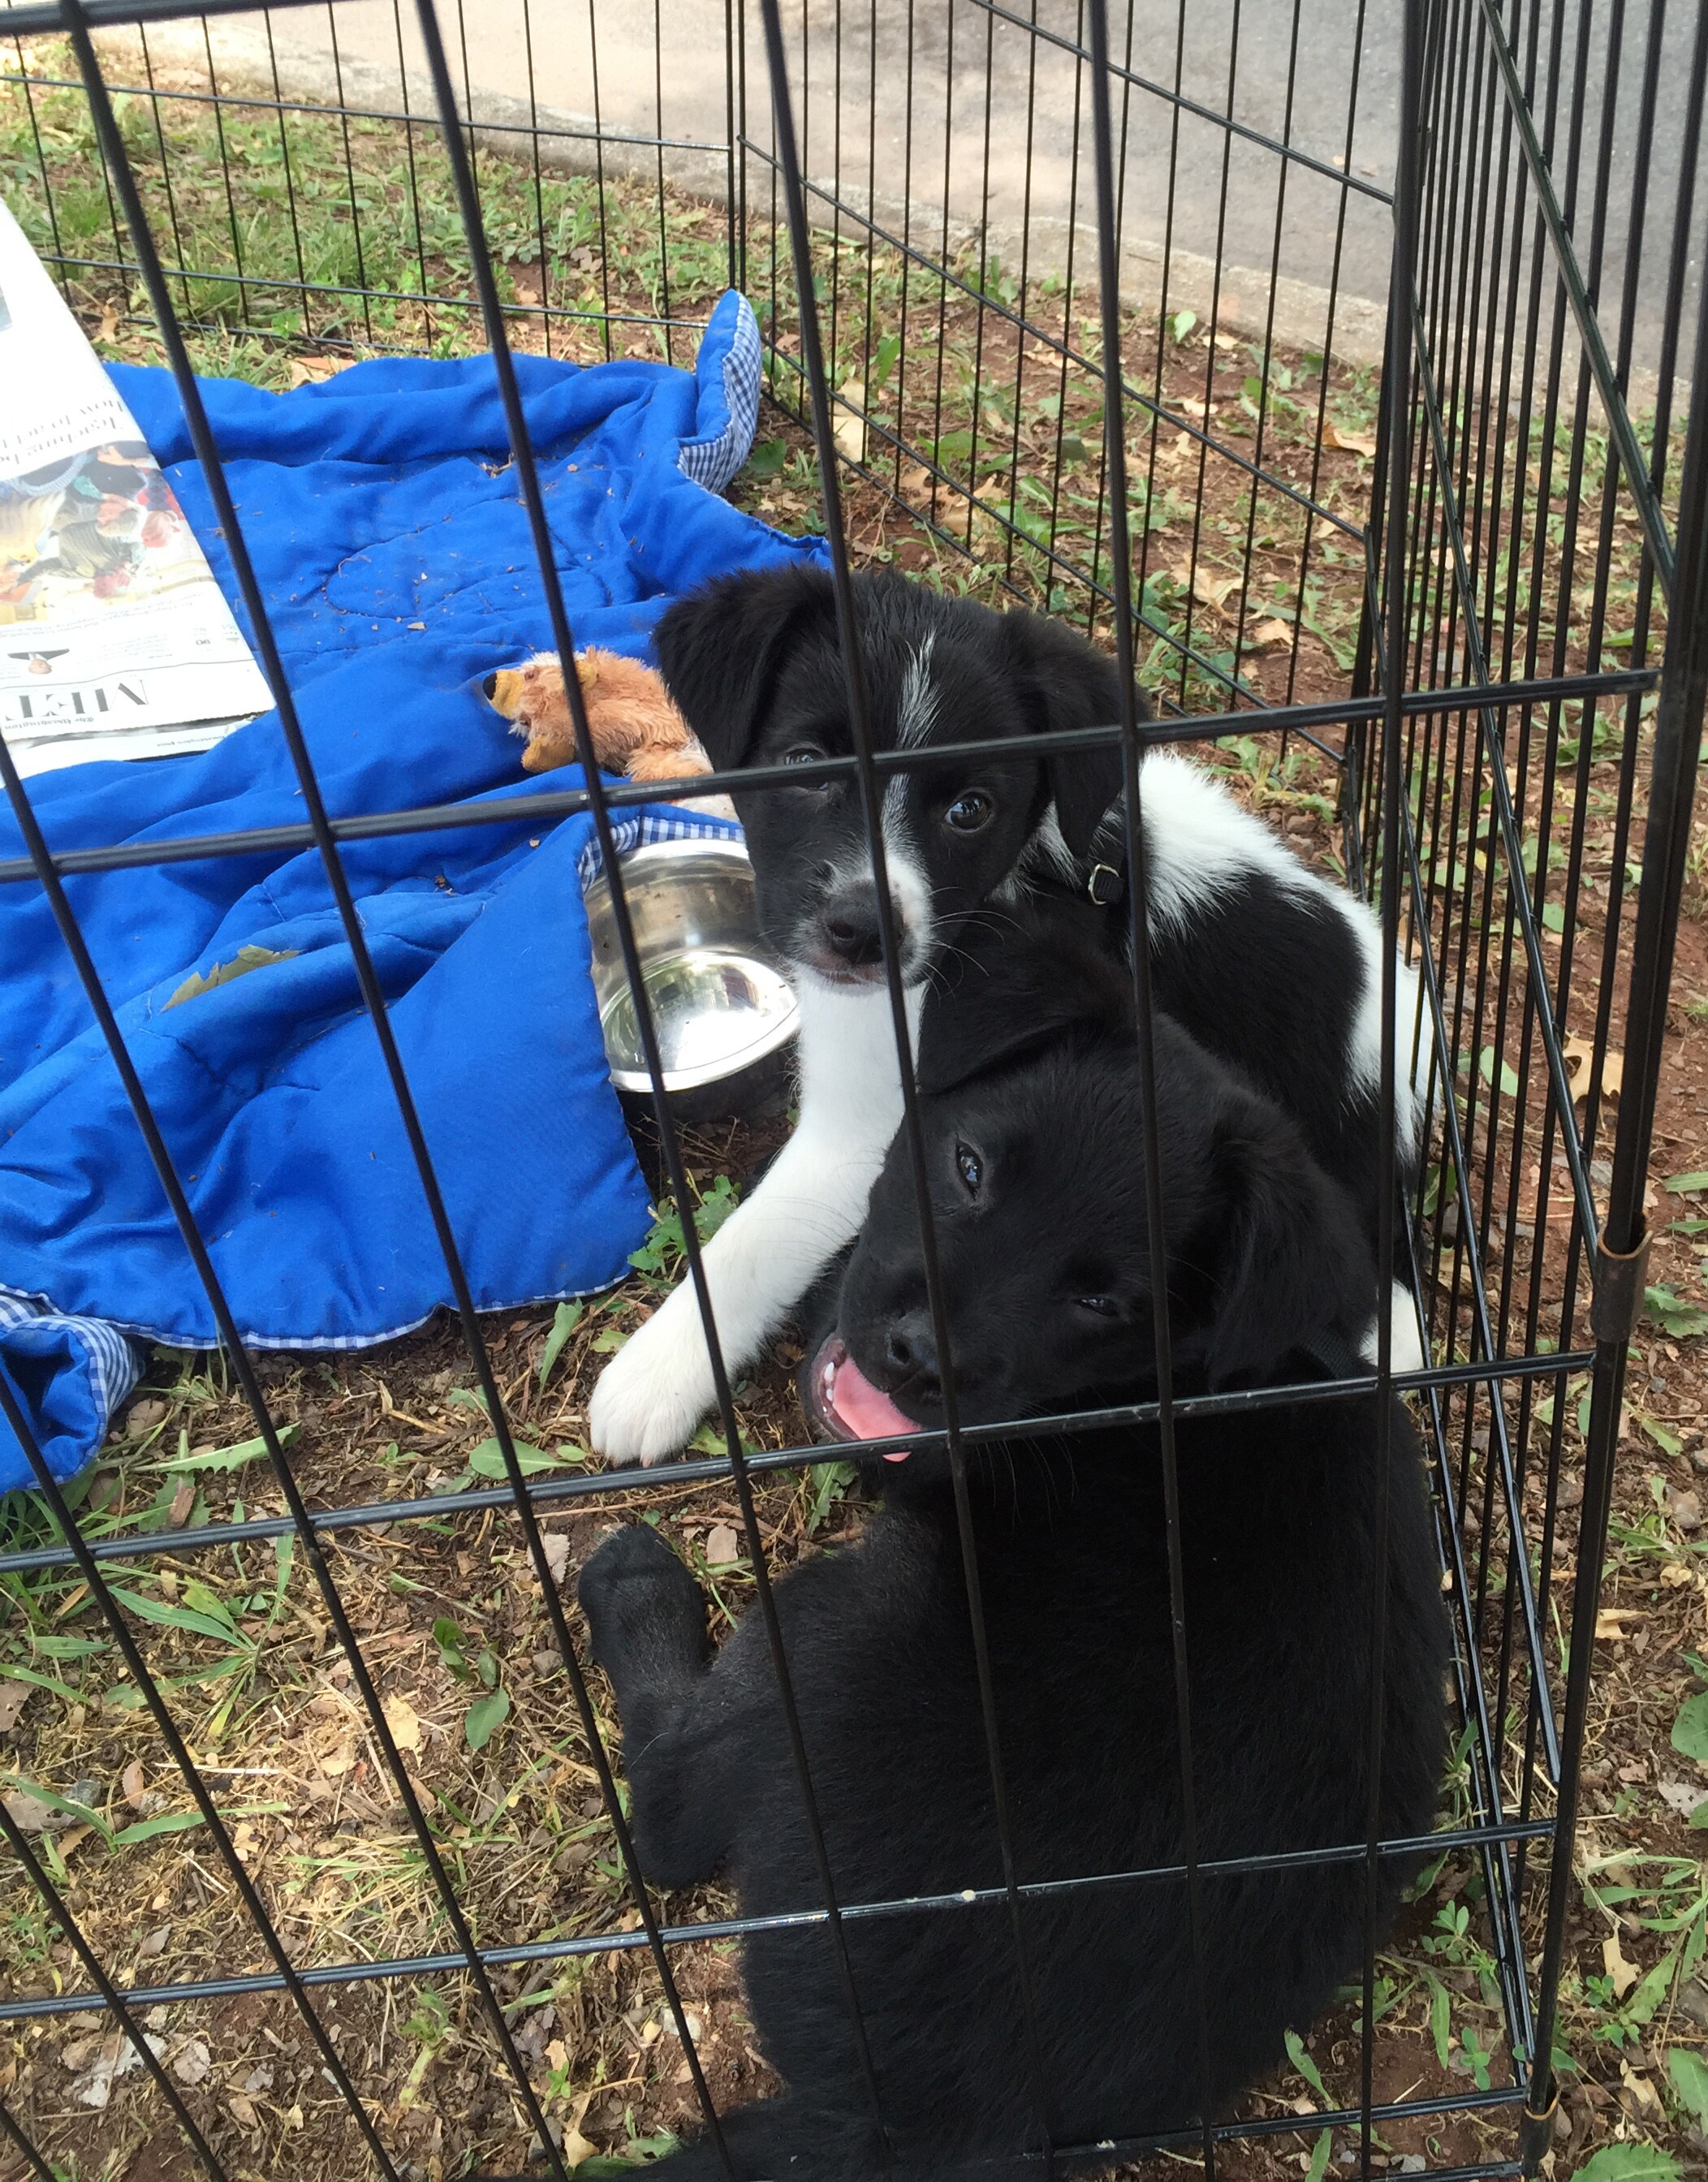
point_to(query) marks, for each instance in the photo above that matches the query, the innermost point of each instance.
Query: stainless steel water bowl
(724, 1010)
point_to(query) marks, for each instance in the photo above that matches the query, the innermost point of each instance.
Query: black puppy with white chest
(1037, 1186)
(1269, 967)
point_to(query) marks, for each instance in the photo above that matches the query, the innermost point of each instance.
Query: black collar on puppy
(1105, 883)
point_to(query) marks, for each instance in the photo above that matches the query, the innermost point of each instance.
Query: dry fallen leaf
(339, 1760)
(1624, 1974)
(915, 480)
(1269, 633)
(406, 1727)
(309, 370)
(242, 2110)
(118, 2058)
(1579, 1055)
(153, 1943)
(721, 1546)
(1644, 2094)
(14, 1696)
(28, 1813)
(1351, 443)
(849, 429)
(572, 2144)
(1608, 1619)
(557, 1554)
(193, 2065)
(1216, 590)
(183, 1500)
(132, 1782)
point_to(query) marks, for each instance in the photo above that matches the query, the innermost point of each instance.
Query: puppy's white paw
(1406, 1347)
(653, 1393)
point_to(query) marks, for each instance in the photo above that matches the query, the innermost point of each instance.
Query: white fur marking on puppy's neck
(918, 698)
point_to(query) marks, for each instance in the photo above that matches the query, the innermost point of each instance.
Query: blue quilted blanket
(393, 546)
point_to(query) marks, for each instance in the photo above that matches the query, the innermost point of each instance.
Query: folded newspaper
(115, 641)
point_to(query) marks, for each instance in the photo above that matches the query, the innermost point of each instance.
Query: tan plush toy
(635, 729)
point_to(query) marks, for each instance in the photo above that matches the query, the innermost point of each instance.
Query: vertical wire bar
(1120, 588)
(1269, 356)
(349, 174)
(1010, 536)
(897, 365)
(669, 331)
(599, 168)
(732, 255)
(735, 18)
(902, 352)
(48, 1486)
(937, 462)
(538, 178)
(1066, 341)
(1211, 332)
(1666, 838)
(171, 195)
(835, 204)
(48, 197)
(1397, 571)
(290, 179)
(218, 106)
(983, 283)
(109, 1992)
(522, 454)
(424, 285)
(813, 359)
(1163, 285)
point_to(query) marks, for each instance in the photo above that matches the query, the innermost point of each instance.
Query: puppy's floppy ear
(720, 650)
(1296, 1275)
(1065, 682)
(1009, 987)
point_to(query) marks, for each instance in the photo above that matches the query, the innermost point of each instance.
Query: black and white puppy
(1267, 964)
(1037, 1184)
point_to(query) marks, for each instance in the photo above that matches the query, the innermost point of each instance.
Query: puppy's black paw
(638, 1596)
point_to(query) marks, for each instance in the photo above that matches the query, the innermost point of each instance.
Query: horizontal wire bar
(941, 271)
(429, 122)
(710, 1469)
(1177, 98)
(563, 802)
(571, 1946)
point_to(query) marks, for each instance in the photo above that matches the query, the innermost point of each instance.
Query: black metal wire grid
(1474, 677)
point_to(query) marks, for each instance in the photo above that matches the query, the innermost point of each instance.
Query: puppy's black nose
(849, 922)
(488, 688)
(910, 1350)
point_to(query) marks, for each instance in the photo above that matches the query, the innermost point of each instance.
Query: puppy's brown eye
(970, 1168)
(802, 754)
(1104, 1306)
(969, 812)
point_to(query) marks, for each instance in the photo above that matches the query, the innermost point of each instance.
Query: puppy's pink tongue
(862, 1409)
